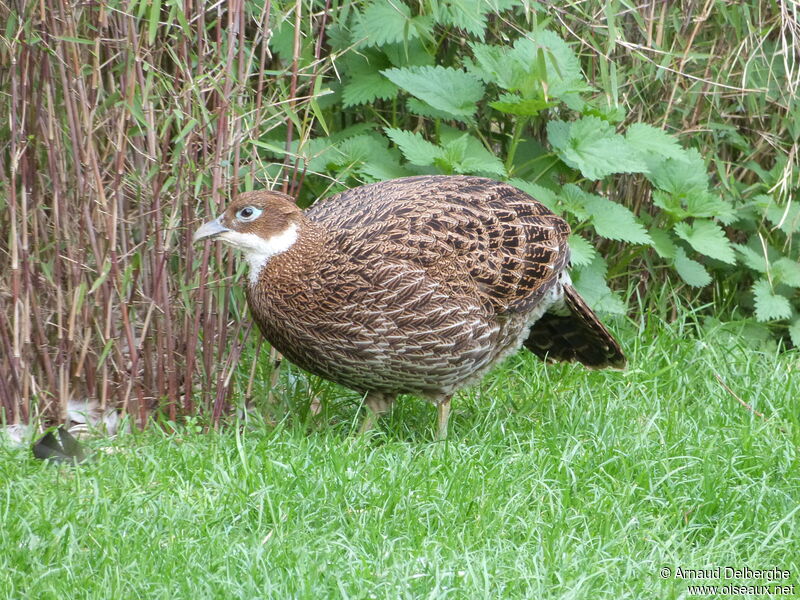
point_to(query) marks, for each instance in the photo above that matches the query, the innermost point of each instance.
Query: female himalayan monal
(414, 286)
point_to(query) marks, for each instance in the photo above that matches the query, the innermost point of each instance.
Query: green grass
(556, 482)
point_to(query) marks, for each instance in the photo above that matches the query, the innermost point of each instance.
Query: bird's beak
(209, 230)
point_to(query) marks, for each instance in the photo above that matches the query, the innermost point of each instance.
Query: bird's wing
(484, 238)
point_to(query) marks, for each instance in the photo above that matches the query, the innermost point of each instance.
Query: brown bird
(417, 285)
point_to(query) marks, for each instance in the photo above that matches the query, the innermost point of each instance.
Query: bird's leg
(443, 415)
(377, 404)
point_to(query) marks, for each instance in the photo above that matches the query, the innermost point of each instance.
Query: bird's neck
(296, 252)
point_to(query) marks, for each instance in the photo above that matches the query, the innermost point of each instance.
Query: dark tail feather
(577, 336)
(64, 448)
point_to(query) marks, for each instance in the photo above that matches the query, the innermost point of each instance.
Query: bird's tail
(575, 334)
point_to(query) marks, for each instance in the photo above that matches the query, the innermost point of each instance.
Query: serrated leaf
(513, 104)
(751, 258)
(544, 195)
(706, 204)
(593, 148)
(469, 15)
(382, 170)
(662, 242)
(538, 62)
(558, 133)
(670, 204)
(707, 238)
(786, 218)
(365, 82)
(650, 140)
(418, 107)
(787, 271)
(551, 60)
(469, 156)
(680, 177)
(590, 281)
(794, 332)
(582, 252)
(769, 305)
(454, 150)
(573, 199)
(416, 149)
(366, 89)
(314, 152)
(691, 271)
(384, 22)
(360, 148)
(451, 90)
(614, 221)
(494, 64)
(412, 53)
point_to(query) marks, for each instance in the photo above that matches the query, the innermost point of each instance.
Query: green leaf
(412, 53)
(367, 88)
(670, 204)
(540, 64)
(614, 221)
(786, 218)
(365, 83)
(513, 104)
(751, 258)
(593, 148)
(680, 177)
(662, 242)
(573, 199)
(544, 195)
(381, 170)
(466, 154)
(707, 238)
(787, 271)
(794, 332)
(450, 90)
(590, 281)
(416, 149)
(649, 140)
(360, 148)
(549, 59)
(558, 133)
(582, 252)
(769, 305)
(494, 64)
(691, 271)
(469, 15)
(418, 107)
(384, 22)
(707, 204)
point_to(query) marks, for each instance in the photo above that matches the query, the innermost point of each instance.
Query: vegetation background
(666, 132)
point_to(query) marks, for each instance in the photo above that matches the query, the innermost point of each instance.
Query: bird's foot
(377, 404)
(443, 416)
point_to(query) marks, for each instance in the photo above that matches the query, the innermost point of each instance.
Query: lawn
(556, 482)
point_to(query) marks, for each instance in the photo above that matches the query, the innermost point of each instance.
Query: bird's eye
(248, 213)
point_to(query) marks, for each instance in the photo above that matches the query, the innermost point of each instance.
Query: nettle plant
(428, 91)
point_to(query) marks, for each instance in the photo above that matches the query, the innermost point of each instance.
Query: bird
(417, 285)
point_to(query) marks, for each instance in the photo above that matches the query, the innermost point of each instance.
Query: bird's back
(477, 236)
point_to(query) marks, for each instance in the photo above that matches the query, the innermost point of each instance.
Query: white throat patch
(257, 250)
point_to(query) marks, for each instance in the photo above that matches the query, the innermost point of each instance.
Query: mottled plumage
(416, 285)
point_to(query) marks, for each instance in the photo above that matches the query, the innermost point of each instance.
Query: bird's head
(261, 224)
